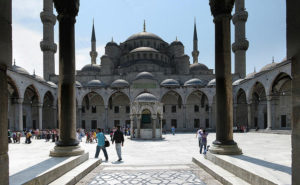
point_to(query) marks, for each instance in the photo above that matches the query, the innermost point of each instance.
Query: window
(164, 109)
(164, 124)
(196, 108)
(94, 109)
(283, 120)
(83, 124)
(94, 124)
(117, 123)
(196, 123)
(116, 109)
(174, 123)
(83, 109)
(206, 123)
(127, 109)
(206, 108)
(173, 108)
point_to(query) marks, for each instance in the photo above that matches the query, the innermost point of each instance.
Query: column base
(66, 151)
(225, 149)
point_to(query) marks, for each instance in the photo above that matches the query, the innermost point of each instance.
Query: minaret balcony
(240, 16)
(240, 45)
(48, 17)
(48, 46)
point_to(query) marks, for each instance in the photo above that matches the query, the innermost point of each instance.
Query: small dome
(250, 75)
(144, 35)
(212, 83)
(52, 84)
(195, 82)
(144, 49)
(95, 83)
(19, 69)
(176, 42)
(170, 83)
(146, 97)
(120, 83)
(237, 82)
(111, 43)
(144, 75)
(38, 78)
(268, 67)
(91, 68)
(78, 84)
(198, 67)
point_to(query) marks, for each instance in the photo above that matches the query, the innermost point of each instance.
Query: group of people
(202, 139)
(47, 134)
(117, 138)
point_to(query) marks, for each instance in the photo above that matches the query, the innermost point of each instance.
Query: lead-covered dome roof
(144, 35)
(144, 49)
(170, 83)
(38, 78)
(198, 67)
(250, 75)
(19, 69)
(146, 97)
(78, 84)
(91, 68)
(212, 83)
(52, 84)
(268, 67)
(144, 75)
(120, 83)
(95, 83)
(195, 82)
(237, 82)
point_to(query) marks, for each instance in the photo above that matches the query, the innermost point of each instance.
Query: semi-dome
(52, 84)
(19, 69)
(198, 67)
(144, 75)
(95, 83)
(237, 82)
(268, 67)
(91, 68)
(170, 83)
(144, 35)
(78, 84)
(120, 83)
(146, 97)
(144, 49)
(212, 83)
(195, 82)
(250, 75)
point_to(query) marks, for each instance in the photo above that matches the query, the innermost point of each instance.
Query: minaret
(195, 52)
(93, 52)
(241, 44)
(47, 45)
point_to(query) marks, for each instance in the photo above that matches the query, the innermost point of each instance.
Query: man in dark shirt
(119, 139)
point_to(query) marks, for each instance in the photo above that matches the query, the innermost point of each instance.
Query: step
(218, 173)
(47, 171)
(251, 173)
(74, 176)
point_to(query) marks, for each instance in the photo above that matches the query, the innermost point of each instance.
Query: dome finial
(14, 62)
(112, 39)
(33, 72)
(176, 38)
(254, 69)
(144, 25)
(273, 59)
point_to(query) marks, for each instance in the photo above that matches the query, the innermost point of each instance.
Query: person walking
(203, 141)
(199, 136)
(101, 144)
(118, 138)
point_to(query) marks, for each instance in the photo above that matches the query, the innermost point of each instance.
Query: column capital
(40, 105)
(66, 8)
(20, 100)
(221, 7)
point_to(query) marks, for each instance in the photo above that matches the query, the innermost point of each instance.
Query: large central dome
(144, 35)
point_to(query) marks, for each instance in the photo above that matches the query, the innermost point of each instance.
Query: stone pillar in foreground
(293, 53)
(40, 107)
(269, 112)
(68, 144)
(5, 61)
(224, 144)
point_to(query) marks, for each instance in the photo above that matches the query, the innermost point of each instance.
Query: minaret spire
(144, 25)
(93, 52)
(195, 52)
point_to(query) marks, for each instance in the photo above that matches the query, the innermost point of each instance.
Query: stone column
(210, 116)
(55, 116)
(106, 116)
(249, 115)
(138, 127)
(184, 116)
(269, 112)
(79, 116)
(224, 144)
(5, 61)
(40, 107)
(234, 114)
(20, 113)
(293, 53)
(131, 126)
(153, 127)
(68, 143)
(160, 123)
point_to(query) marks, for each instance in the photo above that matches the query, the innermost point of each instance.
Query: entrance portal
(146, 119)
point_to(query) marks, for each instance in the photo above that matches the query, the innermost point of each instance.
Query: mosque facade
(148, 83)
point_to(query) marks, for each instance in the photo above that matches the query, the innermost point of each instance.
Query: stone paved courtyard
(163, 160)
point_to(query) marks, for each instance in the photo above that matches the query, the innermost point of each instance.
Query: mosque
(149, 85)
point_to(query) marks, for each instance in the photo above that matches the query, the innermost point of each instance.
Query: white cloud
(23, 9)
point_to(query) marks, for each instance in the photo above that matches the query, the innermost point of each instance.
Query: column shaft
(20, 114)
(106, 117)
(131, 127)
(210, 116)
(249, 115)
(184, 116)
(139, 128)
(40, 106)
(153, 127)
(269, 113)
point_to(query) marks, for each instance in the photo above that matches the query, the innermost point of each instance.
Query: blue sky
(119, 19)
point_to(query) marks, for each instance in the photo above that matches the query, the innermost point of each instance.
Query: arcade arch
(31, 106)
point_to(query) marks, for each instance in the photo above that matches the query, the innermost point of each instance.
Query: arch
(12, 88)
(241, 112)
(259, 89)
(31, 88)
(49, 111)
(279, 81)
(172, 93)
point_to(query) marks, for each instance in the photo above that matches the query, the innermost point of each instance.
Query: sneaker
(106, 160)
(120, 160)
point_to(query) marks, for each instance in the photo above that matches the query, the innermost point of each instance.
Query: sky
(265, 29)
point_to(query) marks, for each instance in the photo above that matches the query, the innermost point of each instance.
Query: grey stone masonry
(47, 45)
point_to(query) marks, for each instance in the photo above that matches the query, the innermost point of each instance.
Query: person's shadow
(117, 162)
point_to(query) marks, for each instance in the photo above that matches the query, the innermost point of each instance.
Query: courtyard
(168, 158)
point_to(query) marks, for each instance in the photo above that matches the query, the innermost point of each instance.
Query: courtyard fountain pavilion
(149, 85)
